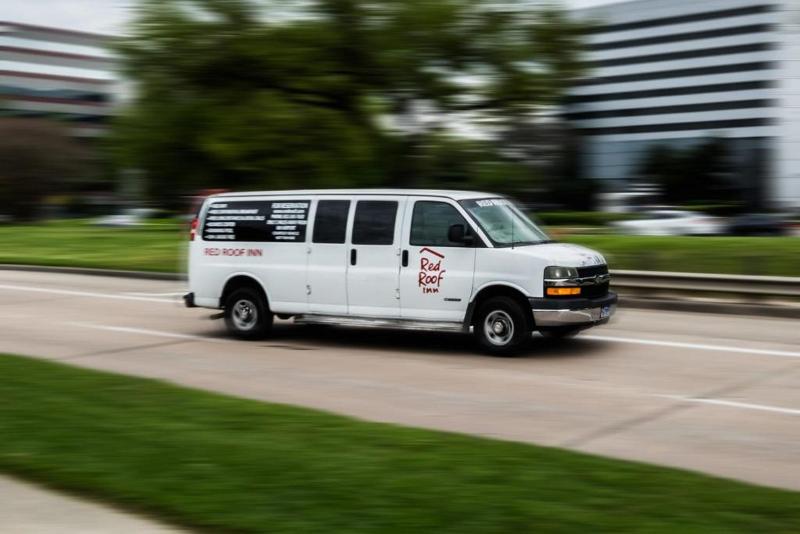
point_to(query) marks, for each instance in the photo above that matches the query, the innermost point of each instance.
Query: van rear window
(330, 222)
(257, 221)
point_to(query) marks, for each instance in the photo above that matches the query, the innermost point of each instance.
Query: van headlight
(561, 282)
(560, 273)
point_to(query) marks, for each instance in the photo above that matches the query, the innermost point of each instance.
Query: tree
(241, 93)
(38, 158)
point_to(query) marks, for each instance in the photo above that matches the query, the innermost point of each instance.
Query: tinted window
(330, 223)
(431, 223)
(257, 220)
(374, 222)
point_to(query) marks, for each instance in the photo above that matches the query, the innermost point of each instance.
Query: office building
(57, 73)
(679, 72)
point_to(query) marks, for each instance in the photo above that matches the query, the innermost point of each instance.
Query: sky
(106, 16)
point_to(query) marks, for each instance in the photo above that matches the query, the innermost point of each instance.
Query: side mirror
(458, 234)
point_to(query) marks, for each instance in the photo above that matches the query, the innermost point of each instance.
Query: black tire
(561, 333)
(247, 314)
(501, 326)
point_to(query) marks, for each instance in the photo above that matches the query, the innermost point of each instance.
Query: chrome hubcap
(244, 315)
(499, 328)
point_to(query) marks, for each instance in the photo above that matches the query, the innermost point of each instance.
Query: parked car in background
(759, 224)
(132, 217)
(672, 222)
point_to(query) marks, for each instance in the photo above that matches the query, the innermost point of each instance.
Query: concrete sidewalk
(26, 508)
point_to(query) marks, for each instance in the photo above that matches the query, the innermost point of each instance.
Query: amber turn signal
(563, 291)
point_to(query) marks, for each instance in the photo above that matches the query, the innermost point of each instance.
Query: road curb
(630, 301)
(114, 273)
(716, 307)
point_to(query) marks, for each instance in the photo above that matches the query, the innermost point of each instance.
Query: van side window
(431, 222)
(330, 223)
(374, 222)
(264, 221)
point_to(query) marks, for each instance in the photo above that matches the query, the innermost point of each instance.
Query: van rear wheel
(501, 327)
(247, 315)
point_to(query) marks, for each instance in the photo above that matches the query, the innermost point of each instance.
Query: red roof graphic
(426, 249)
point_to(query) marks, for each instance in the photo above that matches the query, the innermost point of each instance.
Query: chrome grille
(593, 270)
(594, 281)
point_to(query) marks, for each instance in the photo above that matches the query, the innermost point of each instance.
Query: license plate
(605, 312)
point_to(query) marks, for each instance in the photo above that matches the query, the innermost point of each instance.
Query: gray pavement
(713, 393)
(29, 509)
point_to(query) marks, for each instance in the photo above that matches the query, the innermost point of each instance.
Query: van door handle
(405, 258)
(353, 256)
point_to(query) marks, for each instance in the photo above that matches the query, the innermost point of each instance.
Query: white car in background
(132, 217)
(671, 222)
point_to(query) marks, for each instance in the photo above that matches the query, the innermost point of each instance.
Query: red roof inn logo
(430, 270)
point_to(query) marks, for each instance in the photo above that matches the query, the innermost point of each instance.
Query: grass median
(161, 246)
(773, 256)
(228, 464)
(77, 243)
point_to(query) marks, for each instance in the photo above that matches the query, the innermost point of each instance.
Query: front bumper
(578, 312)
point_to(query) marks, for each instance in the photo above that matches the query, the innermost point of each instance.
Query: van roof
(452, 194)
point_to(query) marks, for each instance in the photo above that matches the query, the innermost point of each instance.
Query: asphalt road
(711, 393)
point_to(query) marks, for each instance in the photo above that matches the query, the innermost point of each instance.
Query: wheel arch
(238, 281)
(498, 290)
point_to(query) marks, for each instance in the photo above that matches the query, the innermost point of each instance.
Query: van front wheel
(247, 315)
(501, 327)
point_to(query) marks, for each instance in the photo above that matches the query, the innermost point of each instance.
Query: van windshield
(504, 223)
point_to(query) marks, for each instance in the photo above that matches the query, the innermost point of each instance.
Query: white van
(416, 259)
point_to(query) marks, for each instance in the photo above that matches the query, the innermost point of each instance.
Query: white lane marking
(173, 294)
(695, 346)
(146, 332)
(734, 404)
(675, 344)
(90, 294)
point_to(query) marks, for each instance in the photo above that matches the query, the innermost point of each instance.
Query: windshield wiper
(529, 243)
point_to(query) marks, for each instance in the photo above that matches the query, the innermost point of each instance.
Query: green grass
(161, 247)
(777, 256)
(227, 464)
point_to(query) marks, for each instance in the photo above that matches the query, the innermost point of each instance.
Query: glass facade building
(57, 73)
(679, 72)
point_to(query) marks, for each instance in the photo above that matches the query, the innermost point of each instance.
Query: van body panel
(500, 283)
(373, 270)
(387, 256)
(523, 267)
(508, 266)
(326, 275)
(437, 282)
(279, 267)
